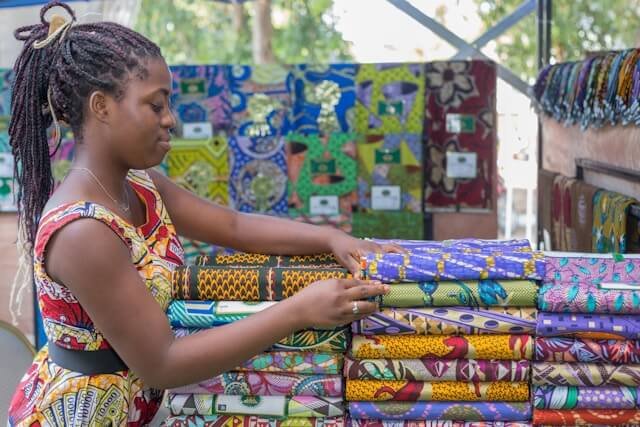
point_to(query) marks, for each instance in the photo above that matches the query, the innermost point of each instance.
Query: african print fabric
(437, 370)
(566, 349)
(582, 195)
(469, 411)
(447, 321)
(333, 341)
(586, 417)
(592, 268)
(594, 326)
(481, 246)
(482, 293)
(388, 224)
(266, 384)
(609, 397)
(610, 221)
(44, 393)
(249, 421)
(500, 347)
(433, 423)
(563, 233)
(295, 362)
(413, 391)
(246, 283)
(206, 314)
(258, 260)
(584, 374)
(267, 406)
(583, 297)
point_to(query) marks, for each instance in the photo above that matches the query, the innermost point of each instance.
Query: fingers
(393, 248)
(362, 309)
(364, 291)
(353, 265)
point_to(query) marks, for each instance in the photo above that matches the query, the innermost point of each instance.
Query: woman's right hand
(330, 303)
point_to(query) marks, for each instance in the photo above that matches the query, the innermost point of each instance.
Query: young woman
(105, 242)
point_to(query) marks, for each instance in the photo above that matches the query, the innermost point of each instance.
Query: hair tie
(57, 27)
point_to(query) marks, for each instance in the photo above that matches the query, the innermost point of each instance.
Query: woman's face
(141, 122)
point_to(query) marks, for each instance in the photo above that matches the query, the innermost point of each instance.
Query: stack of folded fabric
(297, 381)
(587, 362)
(453, 339)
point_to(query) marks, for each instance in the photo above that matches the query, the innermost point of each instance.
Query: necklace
(123, 206)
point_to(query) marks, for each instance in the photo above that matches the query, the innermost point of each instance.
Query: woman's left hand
(348, 250)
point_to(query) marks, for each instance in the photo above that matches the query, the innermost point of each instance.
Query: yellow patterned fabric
(242, 259)
(246, 283)
(502, 347)
(412, 391)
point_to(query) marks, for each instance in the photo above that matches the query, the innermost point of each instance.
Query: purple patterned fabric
(583, 297)
(613, 397)
(567, 349)
(482, 245)
(592, 268)
(469, 411)
(596, 326)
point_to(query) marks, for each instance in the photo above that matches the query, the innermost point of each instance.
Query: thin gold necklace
(126, 207)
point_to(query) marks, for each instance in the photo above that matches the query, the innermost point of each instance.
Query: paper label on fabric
(274, 406)
(386, 197)
(460, 123)
(240, 307)
(197, 130)
(324, 205)
(461, 165)
(6, 165)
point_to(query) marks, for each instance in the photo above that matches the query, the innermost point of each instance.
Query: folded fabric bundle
(586, 417)
(246, 283)
(582, 195)
(501, 347)
(584, 374)
(207, 314)
(423, 266)
(413, 391)
(482, 293)
(294, 362)
(471, 245)
(266, 406)
(447, 321)
(435, 423)
(267, 384)
(242, 259)
(334, 341)
(594, 326)
(249, 421)
(610, 211)
(437, 370)
(588, 298)
(567, 349)
(469, 411)
(592, 268)
(609, 397)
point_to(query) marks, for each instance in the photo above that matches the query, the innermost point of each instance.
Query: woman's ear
(99, 106)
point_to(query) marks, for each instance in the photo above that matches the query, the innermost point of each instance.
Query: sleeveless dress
(49, 395)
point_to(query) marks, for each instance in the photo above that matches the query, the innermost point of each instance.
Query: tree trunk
(262, 33)
(239, 21)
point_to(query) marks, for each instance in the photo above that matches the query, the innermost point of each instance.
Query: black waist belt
(87, 362)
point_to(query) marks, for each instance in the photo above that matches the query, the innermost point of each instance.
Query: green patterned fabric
(388, 225)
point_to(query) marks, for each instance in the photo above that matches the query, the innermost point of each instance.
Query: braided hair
(60, 75)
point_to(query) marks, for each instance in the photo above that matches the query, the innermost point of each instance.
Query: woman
(105, 242)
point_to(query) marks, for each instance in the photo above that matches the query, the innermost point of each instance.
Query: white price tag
(324, 205)
(461, 165)
(240, 307)
(6, 165)
(386, 197)
(197, 130)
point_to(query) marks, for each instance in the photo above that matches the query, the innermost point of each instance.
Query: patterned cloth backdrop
(261, 105)
(460, 117)
(7, 191)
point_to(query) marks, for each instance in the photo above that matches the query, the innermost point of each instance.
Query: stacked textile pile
(453, 338)
(587, 368)
(296, 382)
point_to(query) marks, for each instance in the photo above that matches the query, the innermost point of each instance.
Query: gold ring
(355, 309)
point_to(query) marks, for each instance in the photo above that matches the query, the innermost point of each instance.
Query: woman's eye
(156, 108)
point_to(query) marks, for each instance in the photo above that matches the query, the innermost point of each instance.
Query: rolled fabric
(471, 244)
(435, 423)
(500, 347)
(249, 421)
(440, 265)
(479, 293)
(266, 384)
(242, 259)
(267, 406)
(469, 411)
(609, 397)
(593, 326)
(334, 341)
(294, 362)
(246, 283)
(413, 391)
(592, 268)
(561, 349)
(584, 374)
(610, 211)
(468, 370)
(207, 314)
(587, 298)
(447, 321)
(586, 417)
